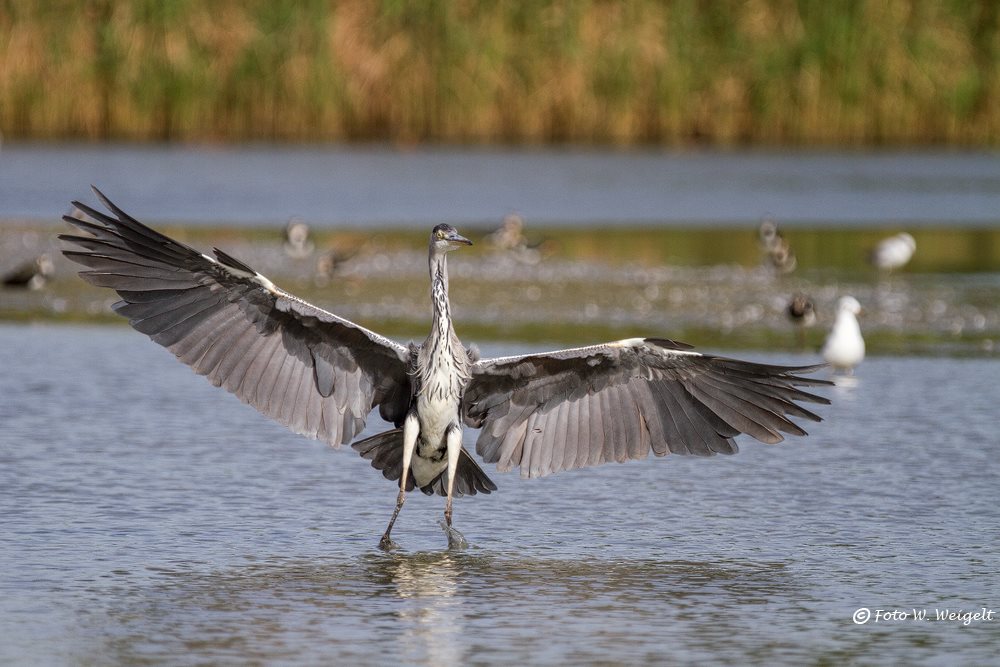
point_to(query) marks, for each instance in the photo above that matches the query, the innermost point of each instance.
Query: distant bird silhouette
(777, 250)
(297, 242)
(802, 313)
(845, 347)
(510, 239)
(510, 234)
(893, 253)
(30, 275)
(331, 261)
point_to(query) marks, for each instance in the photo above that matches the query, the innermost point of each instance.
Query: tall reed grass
(645, 71)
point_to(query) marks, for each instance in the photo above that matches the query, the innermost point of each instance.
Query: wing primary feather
(572, 441)
(595, 429)
(290, 397)
(613, 430)
(771, 398)
(743, 416)
(621, 407)
(583, 436)
(513, 448)
(219, 348)
(650, 426)
(193, 348)
(239, 349)
(640, 446)
(682, 415)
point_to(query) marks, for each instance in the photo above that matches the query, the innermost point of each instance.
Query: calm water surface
(364, 185)
(149, 518)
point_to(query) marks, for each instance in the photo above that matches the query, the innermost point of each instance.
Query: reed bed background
(642, 72)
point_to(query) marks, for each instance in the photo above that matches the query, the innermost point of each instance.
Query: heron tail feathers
(385, 451)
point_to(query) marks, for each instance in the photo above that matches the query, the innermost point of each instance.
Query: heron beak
(458, 238)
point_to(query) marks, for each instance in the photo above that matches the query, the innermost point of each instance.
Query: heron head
(445, 237)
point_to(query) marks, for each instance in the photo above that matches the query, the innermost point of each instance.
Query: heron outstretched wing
(617, 401)
(315, 372)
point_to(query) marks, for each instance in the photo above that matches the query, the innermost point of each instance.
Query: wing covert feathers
(616, 402)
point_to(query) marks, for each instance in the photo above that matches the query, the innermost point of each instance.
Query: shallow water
(148, 518)
(365, 185)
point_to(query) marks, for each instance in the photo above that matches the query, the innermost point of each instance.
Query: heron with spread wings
(321, 375)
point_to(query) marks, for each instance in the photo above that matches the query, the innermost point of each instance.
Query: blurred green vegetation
(841, 250)
(675, 282)
(647, 71)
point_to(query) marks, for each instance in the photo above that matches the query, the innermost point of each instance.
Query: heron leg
(410, 430)
(455, 538)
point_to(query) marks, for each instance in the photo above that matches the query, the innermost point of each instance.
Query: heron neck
(440, 305)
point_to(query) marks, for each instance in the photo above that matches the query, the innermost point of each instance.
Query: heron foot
(456, 541)
(386, 543)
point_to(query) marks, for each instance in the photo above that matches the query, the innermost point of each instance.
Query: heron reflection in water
(321, 375)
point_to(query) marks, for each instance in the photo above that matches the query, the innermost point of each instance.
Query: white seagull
(893, 253)
(297, 242)
(845, 347)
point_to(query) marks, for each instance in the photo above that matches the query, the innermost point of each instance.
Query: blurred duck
(30, 275)
(332, 261)
(510, 234)
(845, 348)
(297, 242)
(509, 238)
(802, 313)
(777, 251)
(892, 253)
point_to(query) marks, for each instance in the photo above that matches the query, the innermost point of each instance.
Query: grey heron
(321, 375)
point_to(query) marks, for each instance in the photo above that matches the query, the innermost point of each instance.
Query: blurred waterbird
(893, 253)
(777, 250)
(321, 375)
(297, 242)
(845, 347)
(802, 312)
(509, 235)
(30, 275)
(331, 261)
(509, 238)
